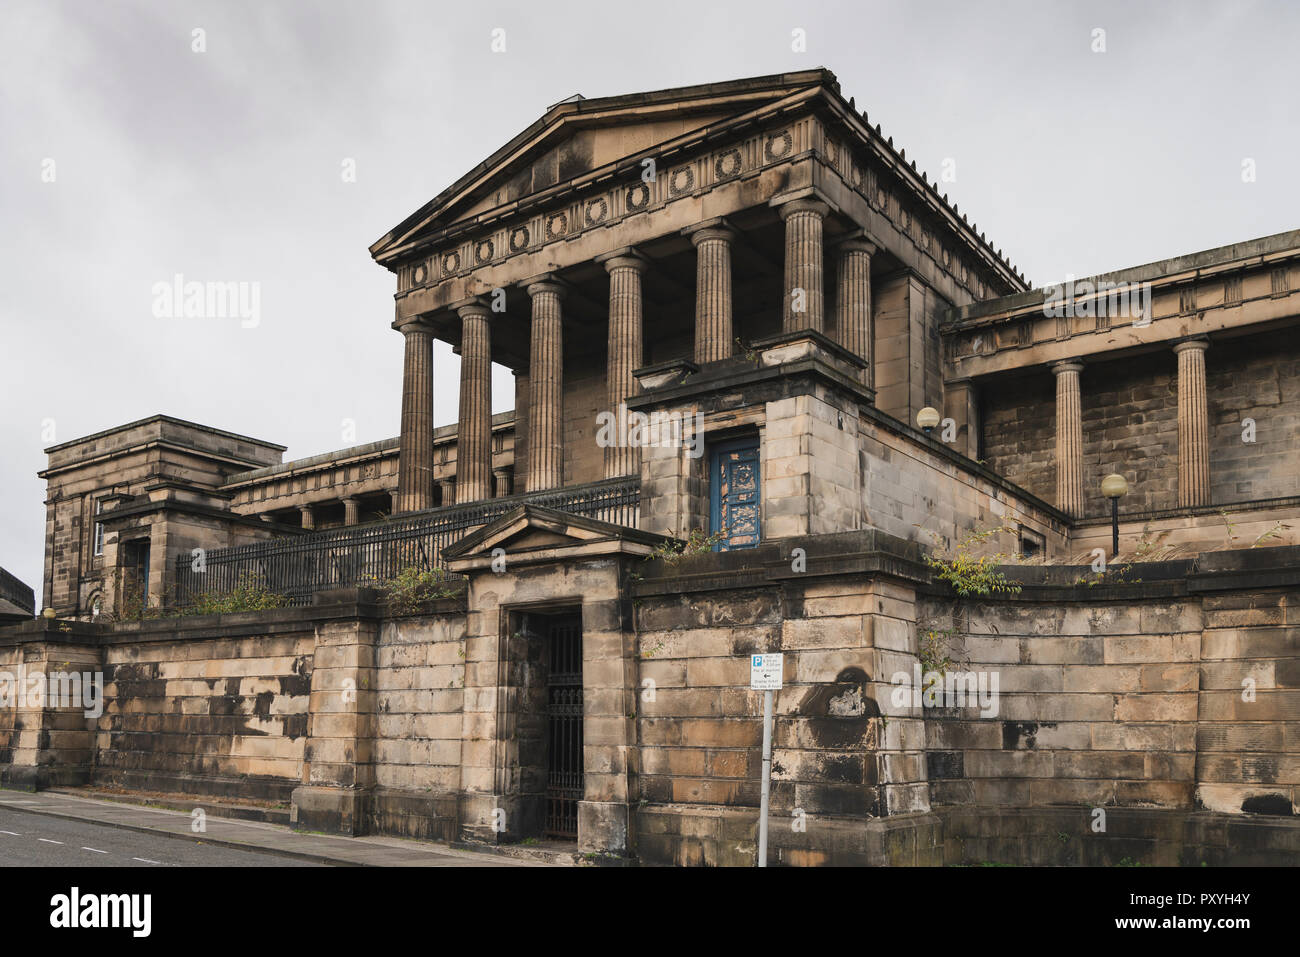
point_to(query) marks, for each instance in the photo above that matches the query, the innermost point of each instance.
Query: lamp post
(927, 419)
(1114, 487)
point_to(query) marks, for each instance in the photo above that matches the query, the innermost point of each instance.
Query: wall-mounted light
(927, 419)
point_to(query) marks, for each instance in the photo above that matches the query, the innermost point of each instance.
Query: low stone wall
(1148, 717)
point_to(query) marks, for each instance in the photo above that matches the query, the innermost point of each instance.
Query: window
(1031, 544)
(99, 529)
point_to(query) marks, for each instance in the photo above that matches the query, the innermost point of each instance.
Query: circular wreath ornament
(779, 145)
(638, 197)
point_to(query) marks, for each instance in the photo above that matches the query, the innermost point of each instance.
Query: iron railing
(297, 567)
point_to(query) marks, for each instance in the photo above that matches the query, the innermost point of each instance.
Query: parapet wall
(1165, 696)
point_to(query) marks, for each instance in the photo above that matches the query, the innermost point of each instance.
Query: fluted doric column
(625, 313)
(1193, 425)
(351, 511)
(415, 453)
(1069, 438)
(714, 338)
(853, 300)
(474, 432)
(804, 304)
(308, 516)
(545, 382)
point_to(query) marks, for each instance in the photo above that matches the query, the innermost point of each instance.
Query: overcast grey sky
(226, 165)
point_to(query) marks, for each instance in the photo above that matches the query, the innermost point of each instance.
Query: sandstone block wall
(219, 716)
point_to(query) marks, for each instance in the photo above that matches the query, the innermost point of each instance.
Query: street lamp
(927, 419)
(1114, 487)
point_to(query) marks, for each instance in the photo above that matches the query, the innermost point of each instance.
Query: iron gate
(564, 726)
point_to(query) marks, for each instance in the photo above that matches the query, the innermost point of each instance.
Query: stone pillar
(625, 313)
(961, 404)
(500, 483)
(415, 454)
(474, 433)
(714, 338)
(546, 385)
(1069, 438)
(523, 391)
(393, 504)
(308, 516)
(351, 511)
(803, 264)
(853, 302)
(448, 487)
(1193, 425)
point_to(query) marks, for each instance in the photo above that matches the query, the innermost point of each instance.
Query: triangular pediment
(580, 138)
(533, 533)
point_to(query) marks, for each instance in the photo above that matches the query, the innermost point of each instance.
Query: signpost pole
(767, 778)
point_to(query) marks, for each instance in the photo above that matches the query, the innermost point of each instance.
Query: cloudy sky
(126, 157)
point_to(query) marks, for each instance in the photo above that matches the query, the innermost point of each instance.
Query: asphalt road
(37, 840)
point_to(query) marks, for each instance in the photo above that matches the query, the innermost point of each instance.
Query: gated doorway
(563, 637)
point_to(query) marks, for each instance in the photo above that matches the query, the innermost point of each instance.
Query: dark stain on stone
(295, 726)
(945, 765)
(262, 704)
(1014, 731)
(1277, 804)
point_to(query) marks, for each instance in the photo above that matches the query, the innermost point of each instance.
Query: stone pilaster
(474, 434)
(853, 302)
(546, 396)
(415, 455)
(1193, 425)
(804, 306)
(308, 516)
(351, 511)
(625, 313)
(1069, 438)
(714, 338)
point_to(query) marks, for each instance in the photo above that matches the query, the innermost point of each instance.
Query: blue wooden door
(734, 492)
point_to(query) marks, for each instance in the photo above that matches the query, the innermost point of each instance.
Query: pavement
(58, 829)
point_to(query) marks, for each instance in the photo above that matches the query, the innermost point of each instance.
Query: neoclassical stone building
(726, 308)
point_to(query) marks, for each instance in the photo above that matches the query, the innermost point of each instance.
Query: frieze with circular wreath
(557, 224)
(597, 210)
(727, 164)
(519, 238)
(681, 180)
(451, 262)
(638, 197)
(484, 251)
(786, 146)
(420, 274)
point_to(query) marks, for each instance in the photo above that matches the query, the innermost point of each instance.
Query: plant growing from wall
(696, 542)
(972, 577)
(414, 587)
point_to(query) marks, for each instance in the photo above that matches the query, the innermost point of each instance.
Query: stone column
(1193, 425)
(393, 503)
(546, 384)
(474, 433)
(523, 391)
(308, 516)
(714, 338)
(853, 303)
(1069, 438)
(625, 314)
(803, 264)
(415, 453)
(351, 511)
(448, 487)
(500, 483)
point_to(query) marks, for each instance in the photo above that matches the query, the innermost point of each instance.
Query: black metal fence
(300, 566)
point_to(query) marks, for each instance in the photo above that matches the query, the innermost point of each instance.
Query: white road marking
(11, 833)
(94, 850)
(46, 840)
(145, 860)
